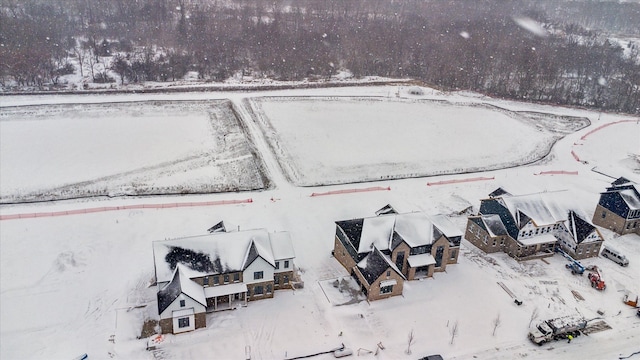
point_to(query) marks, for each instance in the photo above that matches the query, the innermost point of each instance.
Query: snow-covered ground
(78, 284)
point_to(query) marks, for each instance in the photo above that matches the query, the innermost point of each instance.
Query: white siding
(188, 303)
(282, 268)
(259, 264)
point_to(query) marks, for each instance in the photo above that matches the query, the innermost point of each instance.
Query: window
(183, 322)
(495, 241)
(182, 303)
(388, 273)
(537, 231)
(216, 280)
(226, 278)
(276, 280)
(286, 264)
(236, 277)
(452, 254)
(386, 289)
(269, 289)
(277, 265)
(286, 279)
(604, 214)
(205, 281)
(258, 290)
(258, 275)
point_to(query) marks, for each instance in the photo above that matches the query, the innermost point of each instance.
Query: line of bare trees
(475, 45)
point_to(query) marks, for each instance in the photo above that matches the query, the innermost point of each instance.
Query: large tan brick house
(382, 251)
(218, 271)
(531, 226)
(619, 207)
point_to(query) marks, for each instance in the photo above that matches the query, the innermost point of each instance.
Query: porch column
(230, 307)
(215, 303)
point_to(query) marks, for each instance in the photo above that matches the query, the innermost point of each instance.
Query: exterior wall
(587, 250)
(454, 251)
(175, 305)
(279, 280)
(282, 267)
(341, 254)
(201, 320)
(265, 295)
(612, 221)
(405, 264)
(442, 242)
(477, 235)
(166, 326)
(259, 264)
(373, 290)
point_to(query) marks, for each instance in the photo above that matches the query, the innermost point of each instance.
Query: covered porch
(420, 266)
(225, 297)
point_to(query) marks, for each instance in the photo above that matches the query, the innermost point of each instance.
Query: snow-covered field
(78, 284)
(123, 148)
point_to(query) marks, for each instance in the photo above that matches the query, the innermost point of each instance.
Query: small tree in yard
(409, 343)
(496, 323)
(454, 331)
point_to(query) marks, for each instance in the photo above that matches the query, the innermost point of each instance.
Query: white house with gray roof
(218, 271)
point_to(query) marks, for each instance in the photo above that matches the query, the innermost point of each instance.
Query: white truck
(558, 328)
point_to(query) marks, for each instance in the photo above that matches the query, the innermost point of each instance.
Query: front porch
(420, 266)
(225, 297)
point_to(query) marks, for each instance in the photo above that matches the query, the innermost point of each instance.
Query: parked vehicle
(596, 279)
(614, 255)
(558, 328)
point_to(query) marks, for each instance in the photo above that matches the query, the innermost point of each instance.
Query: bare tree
(534, 316)
(454, 331)
(496, 324)
(410, 342)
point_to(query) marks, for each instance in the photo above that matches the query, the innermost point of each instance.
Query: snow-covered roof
(281, 245)
(446, 226)
(631, 198)
(494, 225)
(421, 260)
(216, 253)
(376, 231)
(532, 206)
(538, 239)
(179, 284)
(415, 228)
(375, 264)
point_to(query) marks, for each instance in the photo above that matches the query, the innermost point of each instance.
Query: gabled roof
(494, 225)
(258, 248)
(498, 192)
(496, 207)
(353, 230)
(415, 228)
(579, 228)
(281, 245)
(385, 232)
(374, 265)
(532, 206)
(385, 210)
(179, 284)
(620, 181)
(216, 253)
(376, 231)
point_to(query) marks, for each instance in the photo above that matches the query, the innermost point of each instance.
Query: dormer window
(278, 265)
(286, 264)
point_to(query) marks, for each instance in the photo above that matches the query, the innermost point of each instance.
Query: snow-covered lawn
(68, 283)
(67, 151)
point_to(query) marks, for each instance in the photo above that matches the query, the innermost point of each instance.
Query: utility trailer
(558, 328)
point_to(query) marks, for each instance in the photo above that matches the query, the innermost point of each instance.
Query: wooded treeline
(494, 47)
